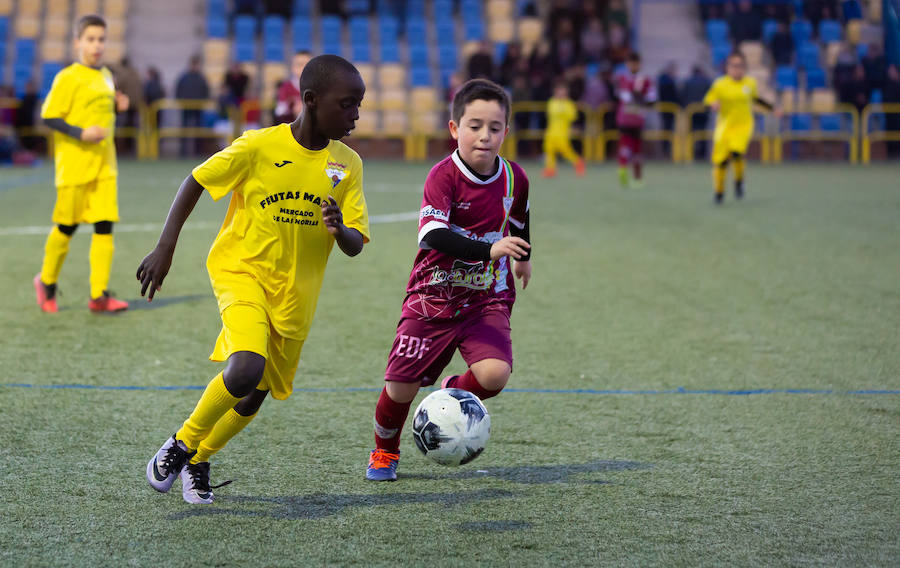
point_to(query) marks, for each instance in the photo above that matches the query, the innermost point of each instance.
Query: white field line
(42, 230)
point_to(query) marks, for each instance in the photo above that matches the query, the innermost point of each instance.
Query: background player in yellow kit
(732, 96)
(561, 113)
(295, 191)
(81, 108)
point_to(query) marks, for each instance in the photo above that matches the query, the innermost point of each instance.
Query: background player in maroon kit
(635, 92)
(461, 290)
(287, 102)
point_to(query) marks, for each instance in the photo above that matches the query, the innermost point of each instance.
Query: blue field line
(679, 390)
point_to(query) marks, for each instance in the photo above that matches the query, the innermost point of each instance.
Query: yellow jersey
(83, 97)
(561, 113)
(273, 247)
(736, 100)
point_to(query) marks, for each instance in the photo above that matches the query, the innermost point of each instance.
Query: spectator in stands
(481, 63)
(693, 91)
(596, 89)
(191, 86)
(817, 10)
(542, 69)
(891, 94)
(782, 45)
(576, 79)
(844, 66)
(616, 13)
(745, 23)
(236, 80)
(873, 61)
(564, 44)
(128, 80)
(288, 104)
(667, 92)
(331, 7)
(780, 11)
(153, 86)
(618, 43)
(560, 10)
(511, 64)
(856, 90)
(25, 115)
(593, 40)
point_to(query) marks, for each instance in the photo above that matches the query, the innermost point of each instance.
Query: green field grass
(658, 306)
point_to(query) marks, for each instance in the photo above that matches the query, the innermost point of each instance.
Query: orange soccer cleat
(106, 303)
(580, 168)
(549, 172)
(46, 297)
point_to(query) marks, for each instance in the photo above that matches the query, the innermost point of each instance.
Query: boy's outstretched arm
(349, 240)
(155, 266)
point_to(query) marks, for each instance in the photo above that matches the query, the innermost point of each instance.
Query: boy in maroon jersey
(635, 93)
(461, 290)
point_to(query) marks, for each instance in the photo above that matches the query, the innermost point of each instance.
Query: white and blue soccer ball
(451, 426)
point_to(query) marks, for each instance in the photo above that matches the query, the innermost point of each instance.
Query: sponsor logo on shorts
(412, 347)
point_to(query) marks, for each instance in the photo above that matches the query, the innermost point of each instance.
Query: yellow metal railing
(818, 135)
(869, 136)
(423, 123)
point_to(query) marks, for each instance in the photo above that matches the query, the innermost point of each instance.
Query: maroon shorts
(422, 349)
(629, 145)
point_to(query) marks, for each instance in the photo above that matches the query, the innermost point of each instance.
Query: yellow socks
(225, 429)
(213, 404)
(719, 173)
(738, 169)
(55, 251)
(101, 257)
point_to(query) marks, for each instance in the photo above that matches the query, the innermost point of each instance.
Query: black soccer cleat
(718, 198)
(739, 189)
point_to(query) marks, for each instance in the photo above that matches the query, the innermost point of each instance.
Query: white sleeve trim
(427, 228)
(517, 223)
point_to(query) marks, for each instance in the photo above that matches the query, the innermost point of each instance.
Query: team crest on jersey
(336, 172)
(507, 203)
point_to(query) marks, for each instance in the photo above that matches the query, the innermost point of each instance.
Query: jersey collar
(471, 176)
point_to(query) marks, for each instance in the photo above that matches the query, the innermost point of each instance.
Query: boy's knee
(67, 230)
(492, 374)
(243, 372)
(249, 405)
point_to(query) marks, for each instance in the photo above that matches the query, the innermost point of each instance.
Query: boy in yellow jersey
(732, 97)
(295, 191)
(561, 113)
(81, 108)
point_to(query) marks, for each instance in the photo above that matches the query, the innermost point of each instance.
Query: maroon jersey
(287, 98)
(632, 90)
(441, 286)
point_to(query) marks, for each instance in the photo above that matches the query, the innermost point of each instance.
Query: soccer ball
(451, 426)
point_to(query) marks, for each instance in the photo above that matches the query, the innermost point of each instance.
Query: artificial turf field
(693, 386)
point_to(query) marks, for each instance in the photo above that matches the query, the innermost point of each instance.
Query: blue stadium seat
(4, 29)
(245, 51)
(415, 8)
(216, 8)
(830, 122)
(442, 10)
(769, 27)
(390, 53)
(244, 27)
(471, 8)
(216, 27)
(25, 50)
(851, 9)
(720, 52)
(49, 69)
(359, 29)
(303, 8)
(473, 29)
(808, 55)
(273, 51)
(416, 30)
(815, 78)
(445, 30)
(876, 96)
(785, 77)
(801, 31)
(273, 27)
(385, 8)
(360, 52)
(500, 51)
(388, 29)
(21, 75)
(447, 54)
(830, 30)
(717, 31)
(418, 55)
(801, 122)
(357, 7)
(420, 77)
(301, 28)
(330, 28)
(862, 49)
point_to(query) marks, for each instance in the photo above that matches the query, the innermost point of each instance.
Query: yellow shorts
(730, 140)
(245, 327)
(87, 203)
